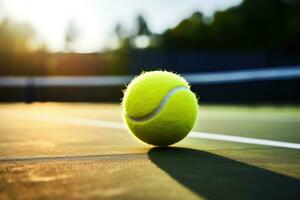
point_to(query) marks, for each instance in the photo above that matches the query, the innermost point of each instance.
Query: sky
(95, 20)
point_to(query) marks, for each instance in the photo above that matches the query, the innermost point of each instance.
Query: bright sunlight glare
(50, 17)
(95, 20)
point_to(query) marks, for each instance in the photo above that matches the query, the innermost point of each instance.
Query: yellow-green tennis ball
(159, 108)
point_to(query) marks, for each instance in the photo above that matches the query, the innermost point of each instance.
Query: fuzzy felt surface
(146, 92)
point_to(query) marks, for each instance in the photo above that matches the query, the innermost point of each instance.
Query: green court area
(83, 151)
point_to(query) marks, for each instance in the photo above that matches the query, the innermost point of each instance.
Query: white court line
(246, 140)
(251, 118)
(193, 134)
(85, 122)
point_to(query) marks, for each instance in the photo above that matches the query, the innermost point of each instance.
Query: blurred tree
(14, 38)
(188, 34)
(71, 35)
(264, 23)
(140, 37)
(142, 26)
(119, 31)
(122, 37)
(254, 25)
(17, 57)
(293, 26)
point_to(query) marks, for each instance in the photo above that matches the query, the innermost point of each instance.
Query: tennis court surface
(83, 151)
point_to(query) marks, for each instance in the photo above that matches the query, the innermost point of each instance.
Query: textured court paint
(160, 107)
(103, 157)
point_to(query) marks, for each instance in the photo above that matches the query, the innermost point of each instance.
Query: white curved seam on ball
(161, 105)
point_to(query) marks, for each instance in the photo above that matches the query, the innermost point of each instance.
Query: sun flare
(49, 17)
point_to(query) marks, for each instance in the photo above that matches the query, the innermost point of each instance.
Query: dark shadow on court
(217, 177)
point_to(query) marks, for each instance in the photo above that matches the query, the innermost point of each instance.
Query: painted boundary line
(193, 134)
(246, 140)
(275, 73)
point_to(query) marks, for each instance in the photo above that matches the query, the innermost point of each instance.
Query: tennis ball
(159, 108)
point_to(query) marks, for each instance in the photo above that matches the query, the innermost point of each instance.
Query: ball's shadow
(216, 177)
